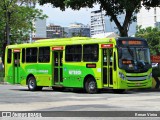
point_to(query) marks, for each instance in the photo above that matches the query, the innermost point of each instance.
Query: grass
(156, 72)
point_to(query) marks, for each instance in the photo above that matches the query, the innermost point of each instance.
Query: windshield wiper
(130, 52)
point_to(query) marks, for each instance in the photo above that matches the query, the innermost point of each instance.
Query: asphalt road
(18, 98)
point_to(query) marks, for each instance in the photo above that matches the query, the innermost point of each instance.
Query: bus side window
(105, 57)
(16, 59)
(73, 53)
(9, 56)
(44, 55)
(90, 53)
(31, 55)
(23, 55)
(115, 62)
(111, 56)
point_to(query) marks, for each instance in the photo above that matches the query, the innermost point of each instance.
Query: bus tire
(91, 85)
(32, 85)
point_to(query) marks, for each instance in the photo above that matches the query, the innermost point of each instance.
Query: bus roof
(64, 41)
(71, 41)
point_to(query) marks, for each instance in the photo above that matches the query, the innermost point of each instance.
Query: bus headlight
(121, 75)
(150, 76)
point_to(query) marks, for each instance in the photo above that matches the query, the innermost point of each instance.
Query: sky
(65, 18)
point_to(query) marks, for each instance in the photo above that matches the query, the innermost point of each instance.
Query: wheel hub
(92, 85)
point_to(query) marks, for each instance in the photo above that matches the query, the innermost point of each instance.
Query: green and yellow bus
(80, 62)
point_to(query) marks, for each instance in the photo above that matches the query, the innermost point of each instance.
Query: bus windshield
(134, 59)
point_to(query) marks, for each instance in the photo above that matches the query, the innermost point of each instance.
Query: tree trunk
(123, 29)
(123, 32)
(6, 35)
(3, 51)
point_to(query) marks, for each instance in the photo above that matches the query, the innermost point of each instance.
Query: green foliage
(152, 35)
(156, 72)
(16, 17)
(20, 27)
(19, 16)
(113, 8)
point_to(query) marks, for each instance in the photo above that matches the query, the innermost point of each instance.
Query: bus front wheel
(32, 85)
(90, 85)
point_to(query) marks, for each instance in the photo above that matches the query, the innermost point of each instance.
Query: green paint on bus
(89, 63)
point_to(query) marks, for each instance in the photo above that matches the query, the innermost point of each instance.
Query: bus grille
(137, 84)
(136, 78)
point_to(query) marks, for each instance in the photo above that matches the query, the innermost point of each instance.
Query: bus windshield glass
(134, 59)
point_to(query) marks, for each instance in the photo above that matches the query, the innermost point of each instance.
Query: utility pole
(30, 36)
(30, 31)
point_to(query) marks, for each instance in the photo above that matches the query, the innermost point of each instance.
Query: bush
(156, 72)
(1, 76)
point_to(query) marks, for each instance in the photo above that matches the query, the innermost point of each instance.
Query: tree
(113, 8)
(16, 18)
(152, 35)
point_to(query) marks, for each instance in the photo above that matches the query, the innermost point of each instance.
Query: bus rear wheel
(32, 85)
(91, 86)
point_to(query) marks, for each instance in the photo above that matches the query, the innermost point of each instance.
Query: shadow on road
(71, 90)
(147, 90)
(82, 91)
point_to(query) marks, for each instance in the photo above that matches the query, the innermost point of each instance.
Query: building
(40, 28)
(158, 25)
(98, 17)
(97, 22)
(75, 29)
(148, 18)
(55, 31)
(78, 29)
(104, 35)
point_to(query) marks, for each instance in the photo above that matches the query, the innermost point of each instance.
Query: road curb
(4, 83)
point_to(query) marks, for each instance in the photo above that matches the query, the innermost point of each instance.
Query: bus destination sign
(132, 42)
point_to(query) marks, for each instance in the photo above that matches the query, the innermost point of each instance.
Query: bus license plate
(138, 84)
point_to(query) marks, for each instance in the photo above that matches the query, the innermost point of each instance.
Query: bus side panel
(74, 74)
(41, 72)
(22, 74)
(44, 74)
(9, 77)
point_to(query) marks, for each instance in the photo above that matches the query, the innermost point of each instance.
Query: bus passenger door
(58, 67)
(16, 66)
(107, 74)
